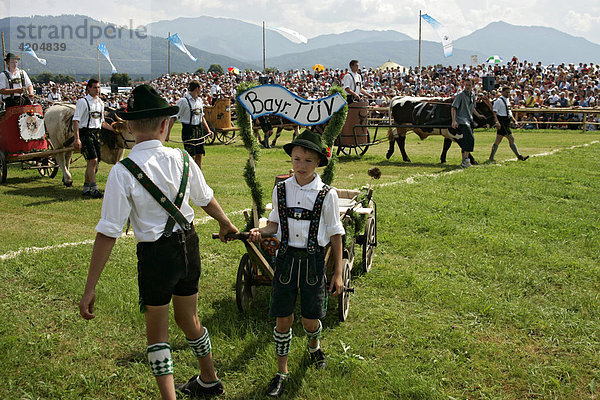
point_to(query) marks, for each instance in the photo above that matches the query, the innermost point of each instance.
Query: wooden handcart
(357, 210)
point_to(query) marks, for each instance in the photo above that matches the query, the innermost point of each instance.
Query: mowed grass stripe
(484, 285)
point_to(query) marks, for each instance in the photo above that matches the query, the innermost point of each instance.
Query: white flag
(179, 44)
(442, 32)
(30, 51)
(289, 34)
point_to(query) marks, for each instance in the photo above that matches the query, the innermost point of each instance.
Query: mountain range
(230, 42)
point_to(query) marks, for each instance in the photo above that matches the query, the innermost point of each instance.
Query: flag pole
(419, 70)
(169, 55)
(98, 60)
(264, 50)
(3, 53)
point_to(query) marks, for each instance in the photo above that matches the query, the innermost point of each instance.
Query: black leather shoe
(523, 158)
(388, 155)
(317, 359)
(276, 385)
(193, 388)
(96, 194)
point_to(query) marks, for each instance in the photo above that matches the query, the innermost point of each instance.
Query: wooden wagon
(23, 139)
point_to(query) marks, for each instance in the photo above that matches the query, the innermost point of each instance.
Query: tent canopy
(392, 65)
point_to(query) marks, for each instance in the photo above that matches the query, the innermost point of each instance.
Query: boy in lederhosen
(153, 187)
(191, 115)
(306, 218)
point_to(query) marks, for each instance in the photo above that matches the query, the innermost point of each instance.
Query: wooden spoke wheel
(344, 298)
(2, 167)
(47, 167)
(245, 290)
(210, 139)
(368, 245)
(225, 136)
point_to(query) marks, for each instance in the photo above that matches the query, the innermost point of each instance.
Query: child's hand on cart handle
(336, 287)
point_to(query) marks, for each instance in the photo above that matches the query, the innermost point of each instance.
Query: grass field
(485, 283)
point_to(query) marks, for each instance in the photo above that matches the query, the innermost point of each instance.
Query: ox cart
(23, 139)
(358, 213)
(355, 136)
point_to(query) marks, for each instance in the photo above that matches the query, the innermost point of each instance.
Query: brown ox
(425, 111)
(58, 119)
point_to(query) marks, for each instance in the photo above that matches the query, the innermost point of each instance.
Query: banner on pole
(442, 32)
(275, 99)
(176, 40)
(104, 51)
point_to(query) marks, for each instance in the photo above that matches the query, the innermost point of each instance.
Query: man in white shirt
(353, 84)
(15, 85)
(54, 95)
(191, 115)
(503, 115)
(87, 122)
(215, 91)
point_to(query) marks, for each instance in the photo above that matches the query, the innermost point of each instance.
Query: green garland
(243, 122)
(333, 129)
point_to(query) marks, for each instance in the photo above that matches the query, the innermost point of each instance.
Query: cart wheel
(224, 136)
(2, 167)
(344, 298)
(244, 289)
(48, 168)
(211, 139)
(368, 245)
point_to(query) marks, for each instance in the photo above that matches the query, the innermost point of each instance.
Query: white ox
(58, 119)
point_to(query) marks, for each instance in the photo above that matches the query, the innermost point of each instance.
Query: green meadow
(485, 283)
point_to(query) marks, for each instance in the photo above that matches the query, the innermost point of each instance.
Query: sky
(315, 17)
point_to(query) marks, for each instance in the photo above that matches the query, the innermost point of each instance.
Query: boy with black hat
(151, 188)
(15, 85)
(306, 218)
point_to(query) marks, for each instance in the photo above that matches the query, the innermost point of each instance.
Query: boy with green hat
(153, 187)
(306, 218)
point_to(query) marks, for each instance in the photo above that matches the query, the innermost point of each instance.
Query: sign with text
(275, 99)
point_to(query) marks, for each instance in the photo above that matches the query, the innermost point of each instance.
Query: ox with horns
(435, 112)
(58, 123)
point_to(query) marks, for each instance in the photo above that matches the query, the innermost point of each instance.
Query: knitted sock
(159, 357)
(201, 346)
(513, 147)
(493, 153)
(314, 336)
(282, 342)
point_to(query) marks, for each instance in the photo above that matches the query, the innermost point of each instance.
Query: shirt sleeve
(274, 214)
(181, 104)
(79, 109)
(497, 105)
(116, 206)
(457, 101)
(331, 214)
(347, 80)
(200, 193)
(27, 82)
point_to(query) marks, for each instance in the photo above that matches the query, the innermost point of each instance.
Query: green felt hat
(12, 56)
(309, 140)
(145, 102)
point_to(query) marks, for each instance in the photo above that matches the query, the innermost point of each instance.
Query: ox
(431, 111)
(270, 121)
(57, 121)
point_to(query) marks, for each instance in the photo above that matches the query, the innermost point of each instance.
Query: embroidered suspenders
(172, 208)
(300, 214)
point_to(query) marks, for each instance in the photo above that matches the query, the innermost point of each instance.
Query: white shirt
(215, 89)
(184, 109)
(54, 96)
(16, 77)
(501, 109)
(125, 197)
(89, 118)
(304, 197)
(353, 81)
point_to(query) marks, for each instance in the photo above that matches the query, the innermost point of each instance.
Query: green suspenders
(167, 204)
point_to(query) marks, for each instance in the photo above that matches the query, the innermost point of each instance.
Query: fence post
(584, 122)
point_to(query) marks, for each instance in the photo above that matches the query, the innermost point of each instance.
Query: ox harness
(172, 208)
(297, 213)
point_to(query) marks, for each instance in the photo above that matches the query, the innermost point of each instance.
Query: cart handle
(238, 236)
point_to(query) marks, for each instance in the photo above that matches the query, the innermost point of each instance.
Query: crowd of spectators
(532, 85)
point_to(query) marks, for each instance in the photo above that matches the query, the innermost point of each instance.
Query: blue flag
(104, 51)
(30, 51)
(442, 32)
(179, 44)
